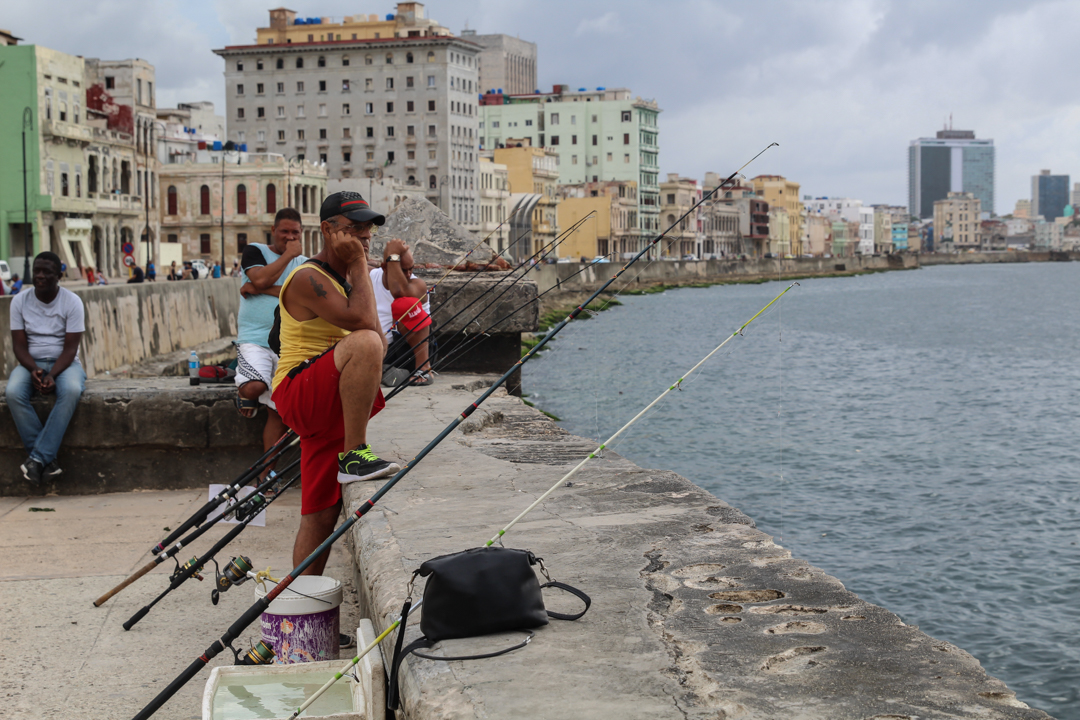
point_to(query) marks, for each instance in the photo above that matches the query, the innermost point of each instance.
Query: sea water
(248, 698)
(915, 434)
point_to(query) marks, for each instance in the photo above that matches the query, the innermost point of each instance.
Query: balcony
(68, 131)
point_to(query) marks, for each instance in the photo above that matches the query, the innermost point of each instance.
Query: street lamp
(229, 146)
(28, 229)
(151, 151)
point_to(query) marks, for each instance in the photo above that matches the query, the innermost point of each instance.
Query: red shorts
(309, 403)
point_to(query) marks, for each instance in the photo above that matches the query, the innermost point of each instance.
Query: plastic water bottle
(193, 368)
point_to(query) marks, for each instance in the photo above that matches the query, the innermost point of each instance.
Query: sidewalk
(64, 658)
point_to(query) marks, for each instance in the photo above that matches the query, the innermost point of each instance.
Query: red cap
(410, 312)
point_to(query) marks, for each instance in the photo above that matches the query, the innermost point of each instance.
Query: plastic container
(301, 624)
(193, 368)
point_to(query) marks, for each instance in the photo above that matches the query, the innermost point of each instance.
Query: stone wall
(126, 324)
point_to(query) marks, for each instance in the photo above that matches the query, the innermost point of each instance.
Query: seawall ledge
(696, 613)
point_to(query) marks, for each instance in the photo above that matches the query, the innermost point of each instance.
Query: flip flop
(423, 379)
(247, 408)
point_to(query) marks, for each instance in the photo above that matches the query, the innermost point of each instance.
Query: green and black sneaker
(363, 464)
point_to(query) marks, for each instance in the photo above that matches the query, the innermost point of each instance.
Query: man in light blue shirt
(263, 268)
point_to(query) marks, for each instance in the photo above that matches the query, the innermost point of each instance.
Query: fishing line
(256, 609)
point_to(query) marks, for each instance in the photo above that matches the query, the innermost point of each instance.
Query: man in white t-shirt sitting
(263, 268)
(47, 324)
(405, 316)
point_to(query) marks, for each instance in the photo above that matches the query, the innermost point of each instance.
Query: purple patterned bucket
(302, 623)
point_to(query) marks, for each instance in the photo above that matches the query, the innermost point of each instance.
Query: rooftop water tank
(389, 16)
(500, 91)
(316, 21)
(217, 145)
(243, 147)
(299, 21)
(581, 90)
(601, 89)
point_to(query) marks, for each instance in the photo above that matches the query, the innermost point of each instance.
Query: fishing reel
(236, 573)
(188, 564)
(261, 654)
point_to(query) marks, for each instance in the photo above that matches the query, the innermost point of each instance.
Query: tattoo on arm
(317, 286)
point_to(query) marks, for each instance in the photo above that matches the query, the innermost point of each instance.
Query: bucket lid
(306, 594)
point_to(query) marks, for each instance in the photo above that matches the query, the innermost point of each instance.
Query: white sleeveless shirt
(384, 299)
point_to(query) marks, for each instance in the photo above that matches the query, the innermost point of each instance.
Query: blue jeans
(43, 443)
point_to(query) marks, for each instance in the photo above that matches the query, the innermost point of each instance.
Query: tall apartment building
(393, 98)
(958, 222)
(599, 135)
(506, 63)
(778, 191)
(954, 161)
(1049, 195)
(89, 158)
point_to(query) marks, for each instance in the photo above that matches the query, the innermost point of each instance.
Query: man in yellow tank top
(327, 382)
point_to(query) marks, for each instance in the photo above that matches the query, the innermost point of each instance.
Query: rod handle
(138, 574)
(136, 617)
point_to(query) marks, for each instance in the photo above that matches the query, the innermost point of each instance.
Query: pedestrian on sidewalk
(46, 327)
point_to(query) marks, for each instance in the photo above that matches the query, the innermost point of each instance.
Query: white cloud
(606, 24)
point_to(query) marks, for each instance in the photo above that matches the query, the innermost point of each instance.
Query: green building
(600, 135)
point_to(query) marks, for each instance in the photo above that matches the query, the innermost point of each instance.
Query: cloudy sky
(842, 85)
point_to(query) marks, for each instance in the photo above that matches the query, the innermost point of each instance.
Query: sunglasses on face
(356, 228)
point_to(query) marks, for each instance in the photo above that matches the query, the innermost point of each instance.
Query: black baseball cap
(350, 204)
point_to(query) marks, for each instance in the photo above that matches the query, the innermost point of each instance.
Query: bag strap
(572, 591)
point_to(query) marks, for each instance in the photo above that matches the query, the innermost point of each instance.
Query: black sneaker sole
(373, 473)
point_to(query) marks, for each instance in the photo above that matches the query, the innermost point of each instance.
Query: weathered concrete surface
(126, 324)
(696, 614)
(432, 235)
(62, 658)
(982, 258)
(132, 434)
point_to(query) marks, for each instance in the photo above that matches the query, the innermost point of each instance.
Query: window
(626, 116)
(344, 86)
(431, 57)
(321, 62)
(172, 238)
(261, 136)
(110, 82)
(410, 130)
(432, 182)
(430, 154)
(299, 111)
(390, 83)
(322, 86)
(528, 123)
(370, 155)
(204, 200)
(204, 243)
(431, 130)
(64, 184)
(389, 131)
(410, 155)
(281, 111)
(609, 157)
(409, 81)
(281, 135)
(389, 58)
(171, 200)
(368, 60)
(369, 84)
(431, 81)
(322, 133)
(322, 158)
(346, 156)
(554, 139)
(300, 135)
(408, 58)
(573, 160)
(345, 58)
(594, 140)
(346, 132)
(573, 139)
(260, 112)
(241, 241)
(48, 104)
(626, 139)
(258, 64)
(300, 61)
(240, 113)
(241, 199)
(240, 89)
(626, 158)
(389, 107)
(271, 198)
(554, 118)
(259, 89)
(240, 66)
(573, 119)
(345, 109)
(410, 106)
(370, 132)
(280, 64)
(431, 105)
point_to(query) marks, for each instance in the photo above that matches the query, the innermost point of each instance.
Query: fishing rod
(676, 386)
(352, 663)
(517, 278)
(253, 612)
(168, 548)
(236, 570)
(542, 252)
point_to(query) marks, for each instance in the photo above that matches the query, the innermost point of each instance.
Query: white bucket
(301, 624)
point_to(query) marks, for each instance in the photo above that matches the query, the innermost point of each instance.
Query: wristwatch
(393, 258)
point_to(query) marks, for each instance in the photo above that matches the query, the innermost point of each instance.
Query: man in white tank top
(404, 313)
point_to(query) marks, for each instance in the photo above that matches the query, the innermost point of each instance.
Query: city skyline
(842, 86)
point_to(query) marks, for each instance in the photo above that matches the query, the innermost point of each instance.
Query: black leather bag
(477, 592)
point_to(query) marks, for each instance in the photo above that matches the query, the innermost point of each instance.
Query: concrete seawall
(127, 324)
(696, 613)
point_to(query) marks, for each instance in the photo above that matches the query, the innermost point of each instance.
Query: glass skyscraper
(1049, 195)
(954, 161)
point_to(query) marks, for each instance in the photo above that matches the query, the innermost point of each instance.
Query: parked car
(689, 257)
(198, 266)
(599, 259)
(5, 271)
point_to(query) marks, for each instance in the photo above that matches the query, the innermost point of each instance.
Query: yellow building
(407, 22)
(781, 192)
(533, 174)
(957, 224)
(612, 232)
